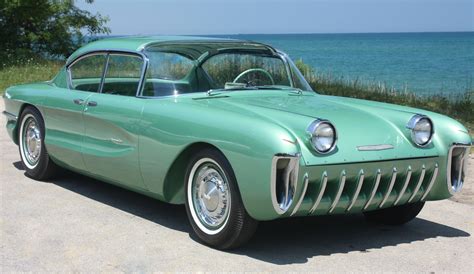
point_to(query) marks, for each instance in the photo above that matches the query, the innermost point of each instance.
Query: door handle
(116, 141)
(78, 101)
(92, 104)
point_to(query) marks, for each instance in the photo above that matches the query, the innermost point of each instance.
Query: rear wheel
(213, 203)
(396, 215)
(34, 157)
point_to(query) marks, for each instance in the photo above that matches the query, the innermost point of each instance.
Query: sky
(141, 17)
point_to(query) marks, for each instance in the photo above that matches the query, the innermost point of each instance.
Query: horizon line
(292, 33)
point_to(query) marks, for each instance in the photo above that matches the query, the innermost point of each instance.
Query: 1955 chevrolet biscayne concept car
(231, 129)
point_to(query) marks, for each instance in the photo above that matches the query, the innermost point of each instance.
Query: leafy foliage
(50, 28)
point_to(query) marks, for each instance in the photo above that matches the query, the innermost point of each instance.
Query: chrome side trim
(10, 116)
(374, 189)
(375, 147)
(359, 187)
(430, 185)
(290, 181)
(405, 185)
(390, 187)
(342, 182)
(324, 180)
(303, 193)
(418, 185)
(453, 189)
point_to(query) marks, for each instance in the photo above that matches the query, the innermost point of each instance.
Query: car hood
(361, 125)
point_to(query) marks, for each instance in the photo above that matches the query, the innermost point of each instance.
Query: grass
(31, 70)
(458, 106)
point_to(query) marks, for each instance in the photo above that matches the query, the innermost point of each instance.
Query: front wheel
(34, 157)
(396, 215)
(213, 203)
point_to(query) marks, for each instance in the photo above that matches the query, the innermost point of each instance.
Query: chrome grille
(346, 188)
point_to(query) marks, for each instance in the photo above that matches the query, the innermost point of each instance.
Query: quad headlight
(323, 136)
(421, 129)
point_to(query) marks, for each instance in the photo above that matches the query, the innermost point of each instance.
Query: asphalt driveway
(75, 223)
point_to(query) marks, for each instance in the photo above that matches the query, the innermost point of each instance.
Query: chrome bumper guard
(284, 180)
(456, 169)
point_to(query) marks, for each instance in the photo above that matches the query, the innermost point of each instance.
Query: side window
(123, 74)
(166, 74)
(86, 73)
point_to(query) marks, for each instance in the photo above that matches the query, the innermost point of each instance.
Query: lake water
(423, 62)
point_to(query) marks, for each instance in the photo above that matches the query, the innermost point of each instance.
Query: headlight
(322, 136)
(421, 129)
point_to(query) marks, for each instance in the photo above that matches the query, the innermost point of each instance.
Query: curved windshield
(247, 69)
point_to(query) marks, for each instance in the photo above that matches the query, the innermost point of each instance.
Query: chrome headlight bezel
(311, 130)
(411, 125)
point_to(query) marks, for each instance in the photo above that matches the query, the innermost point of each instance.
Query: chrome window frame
(108, 52)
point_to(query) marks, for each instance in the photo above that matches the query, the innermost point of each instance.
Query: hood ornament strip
(374, 147)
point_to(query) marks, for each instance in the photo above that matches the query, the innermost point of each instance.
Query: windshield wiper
(292, 89)
(266, 87)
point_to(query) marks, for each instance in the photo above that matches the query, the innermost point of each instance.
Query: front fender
(248, 142)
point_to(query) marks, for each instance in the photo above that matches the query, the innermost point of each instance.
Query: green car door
(111, 120)
(63, 110)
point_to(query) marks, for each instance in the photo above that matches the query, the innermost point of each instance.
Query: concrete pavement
(75, 223)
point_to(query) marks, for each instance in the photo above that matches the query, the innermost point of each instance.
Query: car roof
(191, 46)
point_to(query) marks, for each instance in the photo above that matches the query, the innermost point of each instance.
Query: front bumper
(366, 186)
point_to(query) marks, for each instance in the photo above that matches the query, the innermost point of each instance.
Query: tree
(52, 28)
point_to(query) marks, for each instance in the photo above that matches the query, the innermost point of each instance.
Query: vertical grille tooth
(390, 187)
(303, 193)
(342, 182)
(374, 189)
(461, 167)
(324, 181)
(360, 181)
(405, 185)
(418, 185)
(430, 185)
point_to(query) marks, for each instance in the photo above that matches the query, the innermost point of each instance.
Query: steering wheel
(264, 72)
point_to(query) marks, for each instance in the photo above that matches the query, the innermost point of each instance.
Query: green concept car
(232, 130)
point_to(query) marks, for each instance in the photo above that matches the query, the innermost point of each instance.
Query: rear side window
(123, 74)
(86, 74)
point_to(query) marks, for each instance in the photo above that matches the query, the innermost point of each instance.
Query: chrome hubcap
(31, 141)
(211, 197)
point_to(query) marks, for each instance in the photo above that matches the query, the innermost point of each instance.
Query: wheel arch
(16, 133)
(173, 187)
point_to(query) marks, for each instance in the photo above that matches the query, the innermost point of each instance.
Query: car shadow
(18, 165)
(281, 242)
(290, 241)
